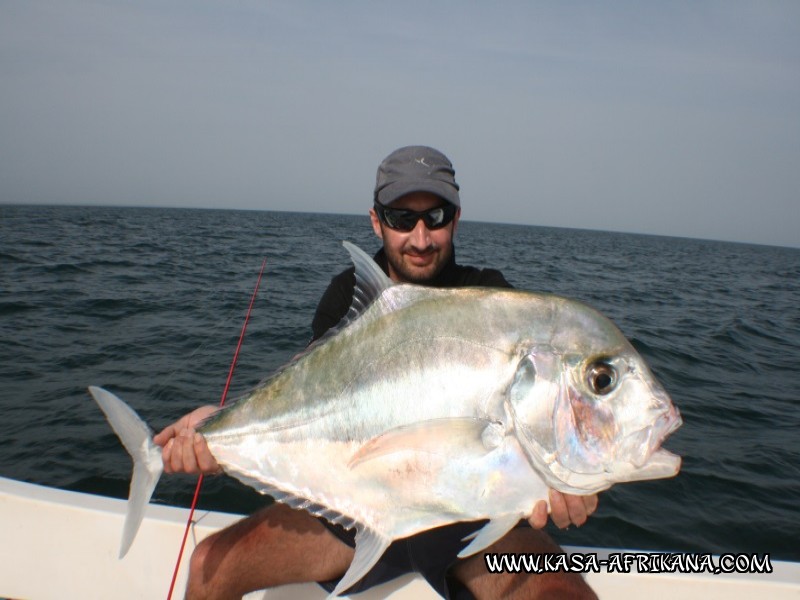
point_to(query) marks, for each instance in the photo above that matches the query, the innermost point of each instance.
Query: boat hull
(61, 544)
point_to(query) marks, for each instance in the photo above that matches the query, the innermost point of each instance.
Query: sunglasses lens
(433, 218)
(399, 219)
(405, 220)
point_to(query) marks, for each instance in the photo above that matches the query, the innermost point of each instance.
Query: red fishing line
(189, 521)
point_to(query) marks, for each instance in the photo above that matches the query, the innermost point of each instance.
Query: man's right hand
(183, 449)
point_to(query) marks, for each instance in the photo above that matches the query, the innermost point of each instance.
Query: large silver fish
(429, 406)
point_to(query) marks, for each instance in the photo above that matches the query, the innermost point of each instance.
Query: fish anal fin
(370, 546)
(489, 534)
(296, 499)
(446, 437)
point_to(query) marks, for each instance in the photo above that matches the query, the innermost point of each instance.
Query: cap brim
(394, 191)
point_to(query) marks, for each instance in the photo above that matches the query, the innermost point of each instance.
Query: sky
(677, 118)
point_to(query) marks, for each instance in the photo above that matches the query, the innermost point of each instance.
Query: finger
(179, 450)
(205, 460)
(576, 509)
(170, 431)
(538, 518)
(188, 454)
(165, 435)
(559, 512)
(590, 502)
(166, 454)
(175, 452)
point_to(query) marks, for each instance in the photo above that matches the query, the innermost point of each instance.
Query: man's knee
(199, 584)
(272, 547)
(233, 561)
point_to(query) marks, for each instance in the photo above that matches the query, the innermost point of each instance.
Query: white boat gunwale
(62, 544)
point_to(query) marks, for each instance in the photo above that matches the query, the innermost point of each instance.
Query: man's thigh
(274, 546)
(474, 575)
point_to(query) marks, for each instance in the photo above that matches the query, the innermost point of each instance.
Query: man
(416, 212)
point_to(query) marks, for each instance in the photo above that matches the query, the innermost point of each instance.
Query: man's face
(416, 256)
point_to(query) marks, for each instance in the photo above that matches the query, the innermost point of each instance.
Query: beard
(404, 267)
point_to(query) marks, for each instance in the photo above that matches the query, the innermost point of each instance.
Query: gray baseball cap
(416, 169)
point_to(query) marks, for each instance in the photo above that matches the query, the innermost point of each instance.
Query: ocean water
(150, 302)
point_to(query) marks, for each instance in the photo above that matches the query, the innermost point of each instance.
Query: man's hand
(565, 510)
(183, 449)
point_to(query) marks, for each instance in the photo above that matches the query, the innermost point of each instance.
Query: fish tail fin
(370, 546)
(137, 438)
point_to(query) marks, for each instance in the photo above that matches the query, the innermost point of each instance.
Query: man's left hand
(565, 510)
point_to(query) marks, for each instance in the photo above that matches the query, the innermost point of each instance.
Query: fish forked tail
(137, 438)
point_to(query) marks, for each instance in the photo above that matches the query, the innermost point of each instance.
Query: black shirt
(336, 300)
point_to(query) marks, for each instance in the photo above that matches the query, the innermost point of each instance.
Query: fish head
(588, 411)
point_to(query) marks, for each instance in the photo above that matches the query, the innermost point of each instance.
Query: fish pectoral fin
(446, 437)
(489, 534)
(370, 546)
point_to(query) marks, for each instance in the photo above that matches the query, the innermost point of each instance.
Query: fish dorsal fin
(370, 546)
(371, 281)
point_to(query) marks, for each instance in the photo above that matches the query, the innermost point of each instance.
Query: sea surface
(150, 303)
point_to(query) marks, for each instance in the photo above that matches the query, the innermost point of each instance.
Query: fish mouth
(661, 464)
(642, 445)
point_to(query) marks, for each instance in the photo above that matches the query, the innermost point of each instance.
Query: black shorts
(430, 553)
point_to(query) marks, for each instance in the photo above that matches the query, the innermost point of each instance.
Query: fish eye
(602, 378)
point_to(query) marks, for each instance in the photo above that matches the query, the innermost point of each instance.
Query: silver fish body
(431, 406)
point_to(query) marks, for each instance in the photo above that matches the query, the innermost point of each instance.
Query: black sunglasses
(402, 219)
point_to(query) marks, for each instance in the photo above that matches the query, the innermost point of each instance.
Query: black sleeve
(334, 304)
